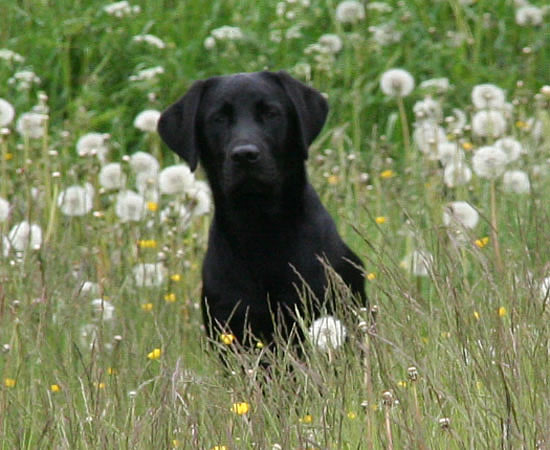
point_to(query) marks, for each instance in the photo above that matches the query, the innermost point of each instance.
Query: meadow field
(434, 162)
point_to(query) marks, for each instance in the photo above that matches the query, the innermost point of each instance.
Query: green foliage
(475, 328)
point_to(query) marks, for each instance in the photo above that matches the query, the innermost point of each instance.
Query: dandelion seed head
(11, 56)
(4, 209)
(76, 200)
(227, 33)
(111, 176)
(130, 206)
(332, 42)
(176, 179)
(25, 235)
(418, 262)
(516, 181)
(529, 15)
(93, 144)
(428, 136)
(7, 113)
(31, 125)
(488, 96)
(397, 83)
(489, 162)
(102, 309)
(327, 333)
(149, 274)
(350, 11)
(511, 147)
(449, 153)
(147, 120)
(488, 123)
(428, 109)
(460, 213)
(148, 74)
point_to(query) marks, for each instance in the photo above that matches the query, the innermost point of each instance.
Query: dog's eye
(270, 112)
(219, 117)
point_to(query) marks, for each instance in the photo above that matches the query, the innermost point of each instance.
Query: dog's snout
(245, 154)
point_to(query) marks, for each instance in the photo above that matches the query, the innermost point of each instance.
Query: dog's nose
(245, 154)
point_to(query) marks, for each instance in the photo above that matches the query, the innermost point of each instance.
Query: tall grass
(458, 357)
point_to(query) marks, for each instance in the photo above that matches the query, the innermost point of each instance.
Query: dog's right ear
(177, 125)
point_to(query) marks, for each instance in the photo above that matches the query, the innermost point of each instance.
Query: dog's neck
(269, 213)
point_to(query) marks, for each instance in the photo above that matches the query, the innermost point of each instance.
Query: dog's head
(250, 131)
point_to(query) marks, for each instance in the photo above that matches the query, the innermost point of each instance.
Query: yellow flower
(220, 447)
(100, 385)
(371, 276)
(240, 408)
(170, 297)
(521, 124)
(387, 174)
(175, 443)
(155, 354)
(308, 418)
(402, 384)
(482, 242)
(502, 311)
(175, 277)
(147, 243)
(381, 219)
(8, 156)
(152, 206)
(9, 382)
(476, 315)
(227, 338)
(259, 344)
(467, 146)
(147, 307)
(55, 388)
(351, 415)
(333, 179)
(112, 371)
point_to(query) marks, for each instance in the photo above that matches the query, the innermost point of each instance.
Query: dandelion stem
(404, 128)
(494, 227)
(368, 386)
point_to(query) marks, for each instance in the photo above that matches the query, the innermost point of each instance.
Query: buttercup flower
(488, 96)
(327, 333)
(488, 123)
(7, 113)
(147, 120)
(516, 181)
(489, 162)
(31, 125)
(176, 179)
(76, 200)
(350, 11)
(149, 274)
(111, 176)
(155, 354)
(461, 214)
(397, 83)
(240, 408)
(130, 206)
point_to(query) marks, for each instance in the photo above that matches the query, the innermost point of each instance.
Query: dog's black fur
(251, 133)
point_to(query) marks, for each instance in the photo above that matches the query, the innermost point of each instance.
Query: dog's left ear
(177, 125)
(310, 106)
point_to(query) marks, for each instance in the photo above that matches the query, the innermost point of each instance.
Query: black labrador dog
(270, 236)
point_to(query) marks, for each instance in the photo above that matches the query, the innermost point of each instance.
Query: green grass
(477, 333)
